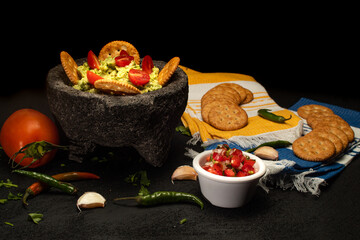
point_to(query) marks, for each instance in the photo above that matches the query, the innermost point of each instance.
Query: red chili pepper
(38, 187)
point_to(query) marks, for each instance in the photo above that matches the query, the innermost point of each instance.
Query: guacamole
(109, 70)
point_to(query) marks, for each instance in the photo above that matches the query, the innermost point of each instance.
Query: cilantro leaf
(35, 217)
(183, 130)
(12, 196)
(7, 184)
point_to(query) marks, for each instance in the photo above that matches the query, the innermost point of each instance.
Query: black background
(308, 48)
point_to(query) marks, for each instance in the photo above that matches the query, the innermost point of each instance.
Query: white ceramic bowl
(227, 192)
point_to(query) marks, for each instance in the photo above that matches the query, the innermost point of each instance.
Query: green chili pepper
(265, 113)
(52, 182)
(274, 144)
(165, 197)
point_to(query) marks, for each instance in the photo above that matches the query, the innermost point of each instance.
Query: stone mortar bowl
(145, 122)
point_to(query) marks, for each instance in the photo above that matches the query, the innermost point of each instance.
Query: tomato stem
(35, 150)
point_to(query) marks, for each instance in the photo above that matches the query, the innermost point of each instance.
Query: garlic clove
(184, 172)
(90, 200)
(267, 152)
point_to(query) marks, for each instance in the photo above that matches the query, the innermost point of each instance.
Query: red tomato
(229, 172)
(92, 77)
(241, 174)
(138, 77)
(235, 161)
(248, 169)
(26, 126)
(147, 64)
(93, 60)
(249, 162)
(123, 61)
(214, 171)
(123, 53)
(218, 168)
(235, 151)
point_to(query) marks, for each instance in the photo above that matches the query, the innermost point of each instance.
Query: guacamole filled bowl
(144, 120)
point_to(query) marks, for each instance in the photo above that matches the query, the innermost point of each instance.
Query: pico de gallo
(230, 162)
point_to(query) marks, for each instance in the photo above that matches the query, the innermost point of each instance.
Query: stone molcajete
(145, 122)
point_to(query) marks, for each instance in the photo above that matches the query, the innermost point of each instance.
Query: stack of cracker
(220, 106)
(330, 136)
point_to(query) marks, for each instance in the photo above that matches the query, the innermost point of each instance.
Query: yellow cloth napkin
(257, 131)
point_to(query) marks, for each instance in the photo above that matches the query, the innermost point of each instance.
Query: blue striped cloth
(305, 176)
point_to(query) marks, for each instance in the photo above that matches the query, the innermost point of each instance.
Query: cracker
(249, 96)
(168, 70)
(224, 89)
(343, 125)
(70, 67)
(306, 110)
(208, 98)
(314, 118)
(339, 147)
(228, 118)
(336, 131)
(114, 48)
(239, 89)
(313, 148)
(115, 87)
(210, 105)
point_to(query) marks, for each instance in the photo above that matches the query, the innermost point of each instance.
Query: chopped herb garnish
(35, 217)
(183, 130)
(12, 196)
(7, 184)
(10, 224)
(139, 177)
(182, 221)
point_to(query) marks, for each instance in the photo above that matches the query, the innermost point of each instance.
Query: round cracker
(343, 125)
(210, 105)
(313, 118)
(336, 131)
(224, 89)
(208, 98)
(339, 147)
(228, 118)
(306, 110)
(313, 148)
(249, 96)
(168, 70)
(115, 87)
(70, 67)
(114, 48)
(239, 89)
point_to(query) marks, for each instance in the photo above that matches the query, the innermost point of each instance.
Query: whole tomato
(26, 126)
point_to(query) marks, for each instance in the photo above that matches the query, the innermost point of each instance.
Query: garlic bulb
(90, 200)
(267, 152)
(184, 173)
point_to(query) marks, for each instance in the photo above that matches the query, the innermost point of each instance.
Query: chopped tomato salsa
(230, 162)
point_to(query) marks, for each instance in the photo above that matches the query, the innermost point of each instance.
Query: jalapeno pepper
(265, 113)
(52, 182)
(162, 197)
(37, 187)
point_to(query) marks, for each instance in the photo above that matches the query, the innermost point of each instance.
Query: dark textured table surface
(279, 214)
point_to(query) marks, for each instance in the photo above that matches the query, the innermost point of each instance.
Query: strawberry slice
(92, 77)
(93, 60)
(147, 64)
(138, 77)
